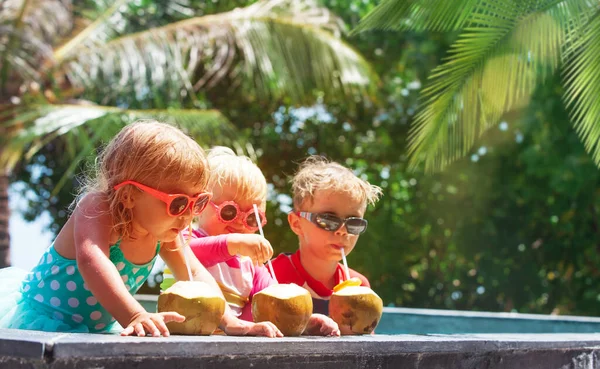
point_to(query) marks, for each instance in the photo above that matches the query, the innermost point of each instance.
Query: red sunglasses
(177, 204)
(229, 211)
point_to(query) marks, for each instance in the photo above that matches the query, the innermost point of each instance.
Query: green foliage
(512, 226)
(504, 50)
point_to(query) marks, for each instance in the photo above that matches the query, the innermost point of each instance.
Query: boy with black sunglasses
(329, 205)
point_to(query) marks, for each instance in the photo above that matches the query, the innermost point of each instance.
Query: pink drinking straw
(262, 234)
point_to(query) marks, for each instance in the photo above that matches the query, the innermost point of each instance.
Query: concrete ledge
(22, 349)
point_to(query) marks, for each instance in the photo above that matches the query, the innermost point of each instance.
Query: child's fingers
(272, 330)
(127, 331)
(151, 328)
(162, 327)
(268, 250)
(139, 330)
(171, 316)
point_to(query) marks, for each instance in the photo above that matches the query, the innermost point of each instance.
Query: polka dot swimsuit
(57, 288)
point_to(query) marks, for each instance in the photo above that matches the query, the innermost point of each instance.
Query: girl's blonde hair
(155, 154)
(227, 168)
(316, 173)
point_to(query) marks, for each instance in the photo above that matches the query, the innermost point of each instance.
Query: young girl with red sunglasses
(150, 182)
(226, 243)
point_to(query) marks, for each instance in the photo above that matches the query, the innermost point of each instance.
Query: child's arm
(91, 233)
(173, 255)
(211, 250)
(255, 246)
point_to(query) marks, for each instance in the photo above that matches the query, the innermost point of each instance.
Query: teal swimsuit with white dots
(53, 296)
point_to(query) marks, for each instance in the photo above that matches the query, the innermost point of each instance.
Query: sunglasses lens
(328, 222)
(251, 220)
(228, 213)
(201, 204)
(356, 225)
(178, 205)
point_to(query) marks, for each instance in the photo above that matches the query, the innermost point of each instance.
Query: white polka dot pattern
(57, 284)
(73, 302)
(95, 315)
(55, 301)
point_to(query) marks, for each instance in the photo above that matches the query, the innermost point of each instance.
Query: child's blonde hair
(227, 168)
(149, 152)
(317, 173)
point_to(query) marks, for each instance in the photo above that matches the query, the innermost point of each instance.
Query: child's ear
(127, 199)
(294, 221)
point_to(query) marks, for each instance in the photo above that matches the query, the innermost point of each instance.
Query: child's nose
(342, 231)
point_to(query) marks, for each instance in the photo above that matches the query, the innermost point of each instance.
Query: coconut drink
(288, 306)
(356, 309)
(202, 306)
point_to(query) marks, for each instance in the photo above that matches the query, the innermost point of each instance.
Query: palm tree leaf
(106, 25)
(40, 124)
(583, 86)
(29, 28)
(277, 47)
(492, 68)
(418, 15)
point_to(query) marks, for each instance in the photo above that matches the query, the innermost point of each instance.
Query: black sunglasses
(332, 223)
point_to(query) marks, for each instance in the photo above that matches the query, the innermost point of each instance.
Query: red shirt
(289, 269)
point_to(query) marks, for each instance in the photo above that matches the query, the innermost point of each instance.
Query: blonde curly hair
(155, 154)
(228, 168)
(317, 173)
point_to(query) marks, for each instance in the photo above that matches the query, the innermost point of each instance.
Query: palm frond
(418, 15)
(491, 69)
(275, 47)
(583, 86)
(39, 124)
(28, 28)
(107, 25)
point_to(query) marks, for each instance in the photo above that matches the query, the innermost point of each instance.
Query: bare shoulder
(90, 217)
(92, 213)
(92, 204)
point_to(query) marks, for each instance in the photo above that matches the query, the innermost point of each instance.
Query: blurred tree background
(513, 226)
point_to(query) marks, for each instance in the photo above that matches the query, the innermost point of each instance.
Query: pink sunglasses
(177, 204)
(229, 211)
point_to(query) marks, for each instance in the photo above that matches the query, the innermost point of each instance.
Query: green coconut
(202, 306)
(288, 306)
(356, 309)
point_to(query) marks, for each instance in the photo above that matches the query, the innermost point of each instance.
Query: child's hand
(266, 329)
(320, 324)
(252, 245)
(151, 323)
(233, 326)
